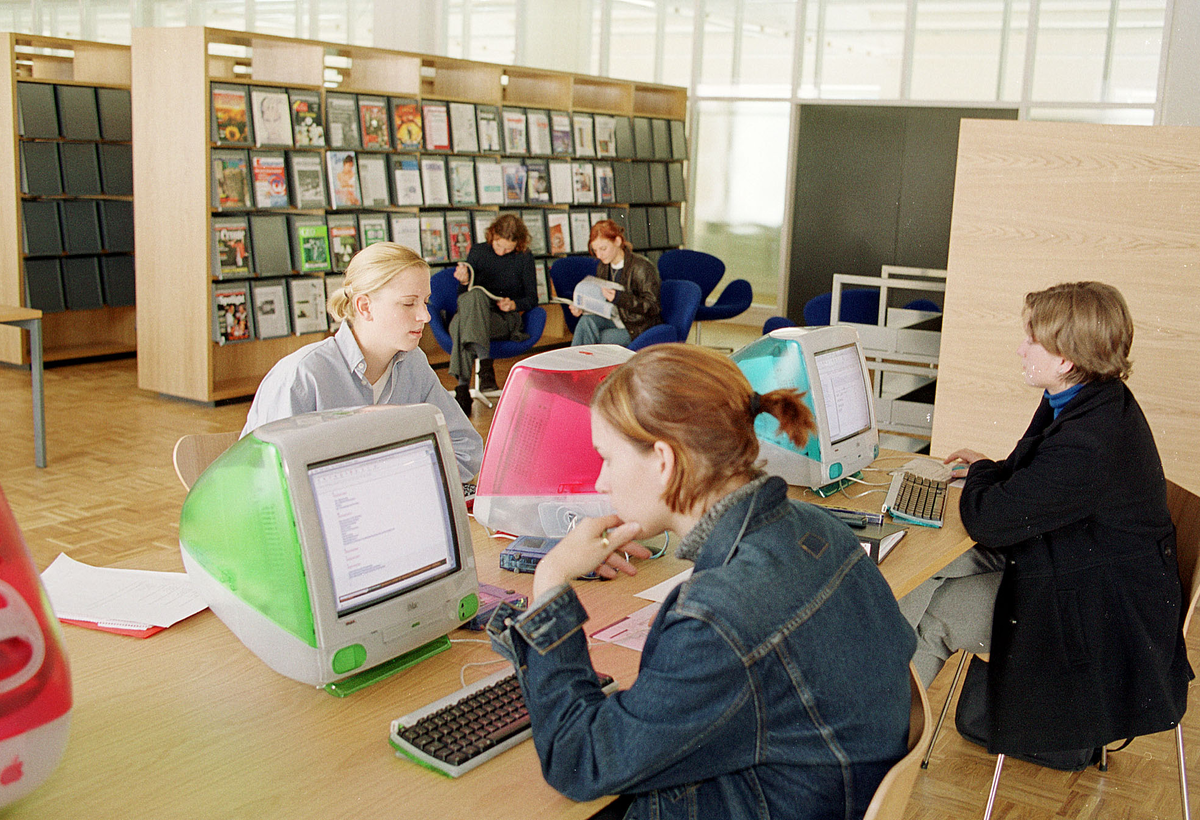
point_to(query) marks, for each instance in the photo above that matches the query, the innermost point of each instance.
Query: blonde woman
(374, 357)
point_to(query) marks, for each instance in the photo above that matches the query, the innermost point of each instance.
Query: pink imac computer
(35, 682)
(539, 469)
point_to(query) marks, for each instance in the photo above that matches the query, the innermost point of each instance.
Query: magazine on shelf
(462, 180)
(515, 140)
(272, 117)
(306, 295)
(406, 231)
(538, 126)
(270, 179)
(372, 179)
(583, 183)
(433, 237)
(581, 128)
(463, 132)
(433, 180)
(341, 121)
(372, 228)
(406, 179)
(270, 308)
(308, 180)
(343, 239)
(558, 232)
(344, 189)
(231, 180)
(373, 123)
(230, 115)
(436, 120)
(308, 124)
(490, 178)
(537, 181)
(606, 135)
(560, 133)
(458, 235)
(406, 123)
(231, 247)
(487, 118)
(232, 320)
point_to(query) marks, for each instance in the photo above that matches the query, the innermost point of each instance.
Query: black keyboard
(456, 733)
(916, 499)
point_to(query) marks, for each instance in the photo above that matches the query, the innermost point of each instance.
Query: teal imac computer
(335, 545)
(827, 365)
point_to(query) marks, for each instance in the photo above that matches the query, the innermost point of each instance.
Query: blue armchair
(706, 271)
(566, 272)
(859, 305)
(443, 304)
(680, 300)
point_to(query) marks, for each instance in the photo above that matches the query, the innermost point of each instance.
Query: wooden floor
(110, 495)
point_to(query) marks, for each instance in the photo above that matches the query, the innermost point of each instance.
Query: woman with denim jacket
(774, 682)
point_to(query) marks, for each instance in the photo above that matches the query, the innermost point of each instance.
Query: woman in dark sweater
(637, 304)
(1085, 609)
(503, 267)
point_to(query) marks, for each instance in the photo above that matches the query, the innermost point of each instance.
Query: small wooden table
(31, 320)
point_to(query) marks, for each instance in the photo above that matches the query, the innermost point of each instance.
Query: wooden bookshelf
(174, 68)
(70, 334)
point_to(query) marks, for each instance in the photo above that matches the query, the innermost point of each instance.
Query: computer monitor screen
(826, 365)
(362, 516)
(335, 544)
(847, 402)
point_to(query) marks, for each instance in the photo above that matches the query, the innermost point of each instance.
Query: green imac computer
(335, 545)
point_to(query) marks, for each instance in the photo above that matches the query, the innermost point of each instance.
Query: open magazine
(589, 297)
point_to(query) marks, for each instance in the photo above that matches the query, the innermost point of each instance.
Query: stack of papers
(125, 601)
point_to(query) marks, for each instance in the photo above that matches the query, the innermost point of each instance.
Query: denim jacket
(774, 682)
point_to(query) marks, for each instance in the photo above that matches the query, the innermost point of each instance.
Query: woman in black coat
(1086, 641)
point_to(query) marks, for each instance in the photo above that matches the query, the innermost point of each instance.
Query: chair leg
(476, 393)
(987, 813)
(962, 664)
(1183, 787)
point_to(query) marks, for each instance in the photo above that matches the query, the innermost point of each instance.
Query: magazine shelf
(190, 232)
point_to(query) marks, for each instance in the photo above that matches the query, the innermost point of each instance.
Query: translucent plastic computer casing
(826, 365)
(35, 682)
(539, 469)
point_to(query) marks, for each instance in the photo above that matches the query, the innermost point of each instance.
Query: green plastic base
(840, 484)
(348, 686)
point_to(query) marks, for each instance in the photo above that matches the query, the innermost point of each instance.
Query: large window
(741, 155)
(744, 61)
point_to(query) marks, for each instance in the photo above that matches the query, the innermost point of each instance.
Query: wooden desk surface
(189, 724)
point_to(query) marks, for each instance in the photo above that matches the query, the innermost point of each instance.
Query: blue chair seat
(706, 271)
(566, 272)
(443, 304)
(679, 300)
(859, 305)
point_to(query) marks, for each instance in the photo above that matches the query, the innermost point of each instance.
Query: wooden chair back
(193, 453)
(896, 787)
(1185, 512)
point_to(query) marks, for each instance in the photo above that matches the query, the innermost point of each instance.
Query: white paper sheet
(82, 592)
(658, 592)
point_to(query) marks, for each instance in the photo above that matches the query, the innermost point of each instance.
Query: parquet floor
(110, 495)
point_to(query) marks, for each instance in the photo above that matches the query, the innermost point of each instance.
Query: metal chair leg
(987, 813)
(1183, 787)
(962, 664)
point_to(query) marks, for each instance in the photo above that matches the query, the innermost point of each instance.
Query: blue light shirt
(331, 374)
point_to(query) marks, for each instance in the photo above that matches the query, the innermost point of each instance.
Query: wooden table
(31, 320)
(188, 724)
